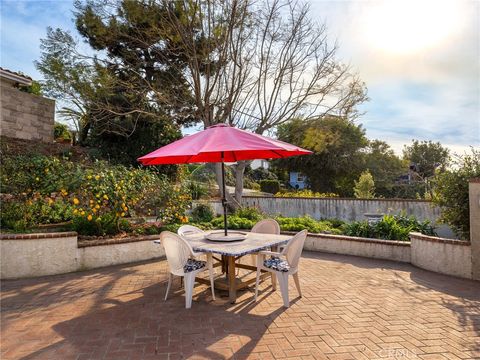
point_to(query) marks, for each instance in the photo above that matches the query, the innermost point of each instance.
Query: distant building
(23, 115)
(260, 163)
(297, 180)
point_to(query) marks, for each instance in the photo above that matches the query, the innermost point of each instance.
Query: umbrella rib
(276, 153)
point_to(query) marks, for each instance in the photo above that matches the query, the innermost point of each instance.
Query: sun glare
(403, 27)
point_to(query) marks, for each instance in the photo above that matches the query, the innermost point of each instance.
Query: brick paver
(352, 308)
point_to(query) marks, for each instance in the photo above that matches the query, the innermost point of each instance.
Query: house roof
(15, 76)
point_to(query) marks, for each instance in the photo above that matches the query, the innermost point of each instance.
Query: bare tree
(256, 65)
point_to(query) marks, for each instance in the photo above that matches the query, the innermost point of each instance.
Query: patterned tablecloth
(253, 243)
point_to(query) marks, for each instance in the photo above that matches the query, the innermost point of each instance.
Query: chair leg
(297, 283)
(210, 272)
(274, 281)
(259, 262)
(283, 281)
(256, 283)
(189, 282)
(170, 279)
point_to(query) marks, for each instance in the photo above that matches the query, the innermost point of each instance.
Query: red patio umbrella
(221, 143)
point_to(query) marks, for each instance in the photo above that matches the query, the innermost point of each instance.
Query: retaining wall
(25, 116)
(445, 256)
(31, 255)
(344, 209)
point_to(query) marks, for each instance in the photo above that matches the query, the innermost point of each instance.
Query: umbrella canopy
(210, 144)
(221, 143)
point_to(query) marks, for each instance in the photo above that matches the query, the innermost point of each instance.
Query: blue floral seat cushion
(277, 264)
(193, 265)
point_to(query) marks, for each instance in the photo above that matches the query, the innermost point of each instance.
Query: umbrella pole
(224, 197)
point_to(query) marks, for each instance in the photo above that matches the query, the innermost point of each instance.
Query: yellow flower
(94, 210)
(105, 197)
(91, 201)
(37, 179)
(89, 177)
(97, 206)
(75, 211)
(76, 201)
(122, 214)
(82, 213)
(89, 217)
(50, 201)
(97, 177)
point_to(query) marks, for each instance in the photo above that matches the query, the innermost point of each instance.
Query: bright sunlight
(404, 27)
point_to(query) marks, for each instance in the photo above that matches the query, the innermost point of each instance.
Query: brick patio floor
(352, 308)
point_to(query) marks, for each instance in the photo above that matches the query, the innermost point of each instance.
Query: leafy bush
(306, 222)
(203, 213)
(197, 190)
(250, 213)
(451, 193)
(97, 196)
(270, 186)
(365, 186)
(61, 132)
(305, 193)
(389, 228)
(233, 222)
(20, 213)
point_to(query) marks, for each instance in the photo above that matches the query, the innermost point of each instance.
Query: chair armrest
(272, 253)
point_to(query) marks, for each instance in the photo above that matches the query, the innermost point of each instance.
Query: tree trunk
(239, 171)
(218, 176)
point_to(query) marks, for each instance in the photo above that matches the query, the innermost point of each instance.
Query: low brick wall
(445, 256)
(31, 255)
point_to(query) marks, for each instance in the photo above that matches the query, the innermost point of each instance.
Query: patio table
(231, 252)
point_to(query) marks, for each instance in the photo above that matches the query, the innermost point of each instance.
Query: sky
(420, 60)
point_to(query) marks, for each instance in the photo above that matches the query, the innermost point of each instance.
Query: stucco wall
(445, 256)
(345, 209)
(25, 256)
(32, 255)
(348, 245)
(25, 116)
(92, 257)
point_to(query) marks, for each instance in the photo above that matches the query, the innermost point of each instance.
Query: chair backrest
(267, 226)
(186, 230)
(294, 248)
(177, 250)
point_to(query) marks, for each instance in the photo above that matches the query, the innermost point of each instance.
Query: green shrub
(233, 222)
(250, 213)
(203, 213)
(305, 193)
(389, 228)
(308, 223)
(365, 186)
(196, 189)
(270, 186)
(61, 132)
(451, 193)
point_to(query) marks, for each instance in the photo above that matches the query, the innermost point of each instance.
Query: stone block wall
(25, 116)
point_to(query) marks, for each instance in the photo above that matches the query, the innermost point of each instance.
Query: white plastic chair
(283, 264)
(179, 256)
(186, 230)
(267, 226)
